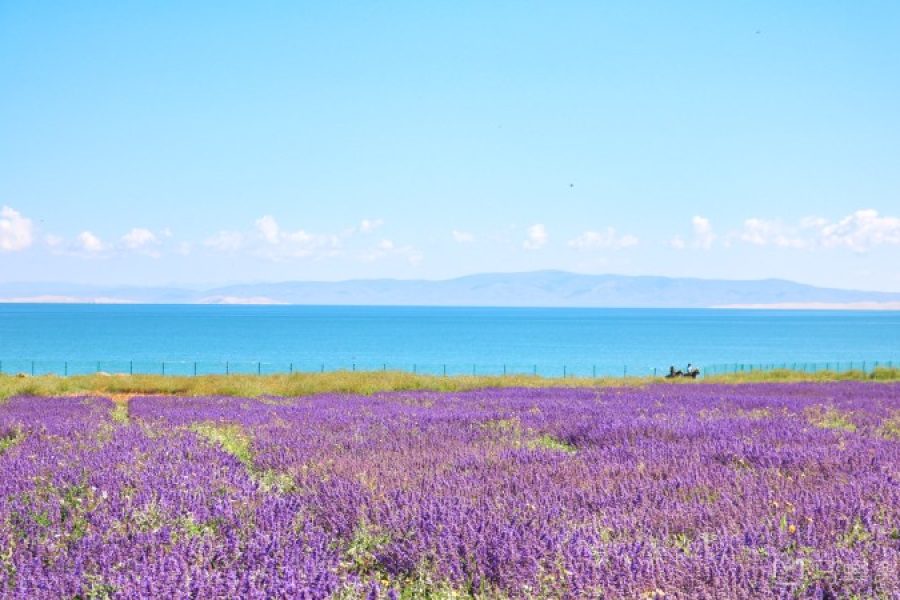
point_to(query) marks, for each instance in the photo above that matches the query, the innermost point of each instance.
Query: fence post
(226, 368)
(131, 367)
(594, 371)
(445, 370)
(384, 368)
(291, 369)
(654, 371)
(98, 366)
(535, 370)
(32, 368)
(504, 369)
(66, 368)
(414, 368)
(323, 368)
(625, 371)
(163, 367)
(354, 367)
(258, 367)
(473, 370)
(195, 368)
(564, 371)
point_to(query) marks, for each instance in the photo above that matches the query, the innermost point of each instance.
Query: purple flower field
(667, 491)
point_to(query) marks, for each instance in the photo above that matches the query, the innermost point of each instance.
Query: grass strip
(369, 382)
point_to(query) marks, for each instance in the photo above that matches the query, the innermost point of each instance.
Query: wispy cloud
(370, 225)
(225, 241)
(142, 241)
(386, 248)
(607, 239)
(762, 232)
(89, 243)
(462, 237)
(702, 237)
(16, 231)
(280, 244)
(859, 232)
(536, 237)
(268, 239)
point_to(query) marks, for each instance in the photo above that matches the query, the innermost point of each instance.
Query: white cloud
(702, 238)
(90, 243)
(387, 248)
(370, 225)
(609, 238)
(225, 241)
(16, 231)
(139, 238)
(142, 241)
(703, 233)
(53, 241)
(537, 237)
(269, 240)
(860, 231)
(760, 232)
(280, 244)
(462, 237)
(267, 226)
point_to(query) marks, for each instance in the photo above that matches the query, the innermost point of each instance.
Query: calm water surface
(141, 337)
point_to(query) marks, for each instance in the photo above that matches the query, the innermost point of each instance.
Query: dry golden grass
(297, 384)
(120, 387)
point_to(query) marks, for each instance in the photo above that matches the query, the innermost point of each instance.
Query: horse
(674, 373)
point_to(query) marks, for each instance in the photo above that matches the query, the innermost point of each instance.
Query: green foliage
(273, 480)
(682, 541)
(119, 413)
(360, 552)
(229, 436)
(890, 427)
(148, 519)
(10, 439)
(831, 418)
(855, 534)
(188, 528)
(96, 589)
(551, 443)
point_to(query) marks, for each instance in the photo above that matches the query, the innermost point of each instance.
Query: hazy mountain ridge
(532, 289)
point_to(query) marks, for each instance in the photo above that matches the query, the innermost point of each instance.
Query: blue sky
(220, 142)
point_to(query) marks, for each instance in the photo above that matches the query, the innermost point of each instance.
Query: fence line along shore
(580, 369)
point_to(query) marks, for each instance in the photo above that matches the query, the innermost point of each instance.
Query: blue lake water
(119, 338)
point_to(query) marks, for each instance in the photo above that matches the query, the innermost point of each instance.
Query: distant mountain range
(538, 288)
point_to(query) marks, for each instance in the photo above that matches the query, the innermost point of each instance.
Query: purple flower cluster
(667, 491)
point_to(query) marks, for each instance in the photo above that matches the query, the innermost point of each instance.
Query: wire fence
(198, 368)
(865, 366)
